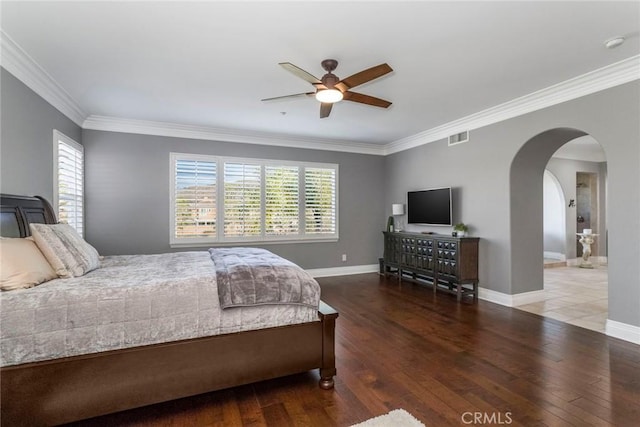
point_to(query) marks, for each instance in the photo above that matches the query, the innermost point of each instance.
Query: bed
(73, 386)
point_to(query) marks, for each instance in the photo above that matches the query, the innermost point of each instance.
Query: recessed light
(613, 43)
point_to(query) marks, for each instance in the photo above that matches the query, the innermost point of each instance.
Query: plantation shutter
(242, 204)
(230, 199)
(70, 184)
(281, 200)
(320, 201)
(195, 198)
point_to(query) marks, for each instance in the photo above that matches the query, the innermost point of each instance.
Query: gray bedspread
(132, 300)
(253, 276)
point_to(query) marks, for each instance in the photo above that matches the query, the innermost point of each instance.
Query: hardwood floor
(399, 346)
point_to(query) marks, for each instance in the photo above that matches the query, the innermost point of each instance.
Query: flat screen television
(429, 207)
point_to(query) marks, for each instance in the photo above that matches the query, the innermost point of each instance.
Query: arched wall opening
(526, 207)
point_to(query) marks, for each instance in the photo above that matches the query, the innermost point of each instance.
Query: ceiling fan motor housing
(329, 80)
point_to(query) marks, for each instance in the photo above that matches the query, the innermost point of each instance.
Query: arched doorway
(526, 195)
(574, 192)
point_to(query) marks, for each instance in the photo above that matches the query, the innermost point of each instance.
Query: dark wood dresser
(447, 263)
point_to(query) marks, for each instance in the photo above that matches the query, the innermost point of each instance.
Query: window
(242, 205)
(195, 198)
(218, 199)
(320, 200)
(282, 204)
(68, 185)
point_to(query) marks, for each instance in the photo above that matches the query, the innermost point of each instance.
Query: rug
(395, 418)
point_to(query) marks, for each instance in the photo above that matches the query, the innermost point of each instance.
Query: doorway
(586, 207)
(572, 198)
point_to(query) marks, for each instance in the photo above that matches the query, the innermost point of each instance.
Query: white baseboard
(510, 300)
(596, 260)
(623, 331)
(555, 255)
(344, 271)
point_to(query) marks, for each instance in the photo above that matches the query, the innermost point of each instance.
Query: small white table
(587, 240)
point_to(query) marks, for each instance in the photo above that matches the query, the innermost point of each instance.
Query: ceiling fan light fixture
(329, 96)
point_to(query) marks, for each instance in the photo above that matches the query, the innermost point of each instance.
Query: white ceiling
(208, 64)
(585, 148)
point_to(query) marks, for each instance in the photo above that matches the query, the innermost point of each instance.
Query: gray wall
(479, 193)
(565, 170)
(498, 175)
(26, 139)
(127, 196)
(128, 175)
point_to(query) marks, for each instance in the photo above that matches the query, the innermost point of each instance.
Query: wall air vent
(459, 138)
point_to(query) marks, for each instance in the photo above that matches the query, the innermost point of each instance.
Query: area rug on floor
(395, 418)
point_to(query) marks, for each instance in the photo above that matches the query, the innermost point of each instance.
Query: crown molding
(143, 127)
(18, 62)
(603, 78)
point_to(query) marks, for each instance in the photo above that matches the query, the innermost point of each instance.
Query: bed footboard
(75, 388)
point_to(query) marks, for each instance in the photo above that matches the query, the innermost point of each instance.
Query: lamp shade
(397, 209)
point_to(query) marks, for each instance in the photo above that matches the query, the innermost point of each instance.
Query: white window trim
(59, 136)
(220, 239)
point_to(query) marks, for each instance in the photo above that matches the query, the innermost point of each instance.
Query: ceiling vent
(459, 138)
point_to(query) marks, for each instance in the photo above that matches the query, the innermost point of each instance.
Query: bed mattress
(132, 300)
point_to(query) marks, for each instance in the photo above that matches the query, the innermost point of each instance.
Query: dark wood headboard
(17, 212)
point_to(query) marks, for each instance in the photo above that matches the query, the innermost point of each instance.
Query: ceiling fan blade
(300, 72)
(297, 95)
(325, 109)
(366, 99)
(363, 77)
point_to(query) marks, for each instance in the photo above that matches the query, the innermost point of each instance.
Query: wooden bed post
(328, 368)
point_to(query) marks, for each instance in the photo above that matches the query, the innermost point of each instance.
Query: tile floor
(574, 295)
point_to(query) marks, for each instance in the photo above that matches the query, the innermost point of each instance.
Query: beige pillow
(22, 265)
(66, 251)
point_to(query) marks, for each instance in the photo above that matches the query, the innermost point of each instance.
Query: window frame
(190, 241)
(264, 238)
(57, 138)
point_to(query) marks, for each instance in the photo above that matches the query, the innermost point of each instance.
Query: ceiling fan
(330, 89)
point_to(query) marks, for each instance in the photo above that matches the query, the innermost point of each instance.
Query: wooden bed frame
(79, 387)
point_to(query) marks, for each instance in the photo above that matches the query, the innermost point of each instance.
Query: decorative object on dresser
(390, 224)
(397, 209)
(460, 229)
(447, 263)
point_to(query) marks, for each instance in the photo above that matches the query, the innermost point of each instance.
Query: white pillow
(22, 265)
(66, 251)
